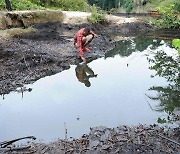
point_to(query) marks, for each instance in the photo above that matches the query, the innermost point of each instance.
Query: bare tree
(8, 5)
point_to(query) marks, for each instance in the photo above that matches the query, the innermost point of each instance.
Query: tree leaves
(176, 44)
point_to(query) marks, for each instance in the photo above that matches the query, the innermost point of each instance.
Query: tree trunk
(8, 5)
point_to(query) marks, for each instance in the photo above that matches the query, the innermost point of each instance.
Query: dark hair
(87, 30)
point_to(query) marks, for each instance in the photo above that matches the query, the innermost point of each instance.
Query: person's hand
(95, 35)
(83, 59)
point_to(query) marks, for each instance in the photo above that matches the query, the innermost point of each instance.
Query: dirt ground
(49, 49)
(101, 140)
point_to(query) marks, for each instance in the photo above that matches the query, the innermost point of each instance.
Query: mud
(102, 140)
(49, 50)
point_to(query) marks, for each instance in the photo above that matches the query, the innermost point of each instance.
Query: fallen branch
(6, 143)
(65, 137)
(15, 149)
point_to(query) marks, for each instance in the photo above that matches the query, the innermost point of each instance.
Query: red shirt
(78, 39)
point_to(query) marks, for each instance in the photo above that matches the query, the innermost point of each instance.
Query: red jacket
(78, 39)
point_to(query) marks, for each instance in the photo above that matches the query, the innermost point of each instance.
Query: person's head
(86, 31)
(87, 83)
(29, 89)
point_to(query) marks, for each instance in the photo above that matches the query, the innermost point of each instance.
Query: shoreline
(122, 139)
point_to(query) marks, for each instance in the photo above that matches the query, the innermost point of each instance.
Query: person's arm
(79, 46)
(91, 32)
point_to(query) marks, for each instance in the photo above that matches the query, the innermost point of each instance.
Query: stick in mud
(4, 150)
(65, 137)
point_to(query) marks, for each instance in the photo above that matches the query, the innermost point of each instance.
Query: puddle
(116, 94)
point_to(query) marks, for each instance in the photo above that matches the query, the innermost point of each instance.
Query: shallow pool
(115, 92)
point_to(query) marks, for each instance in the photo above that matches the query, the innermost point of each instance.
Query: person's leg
(86, 49)
(78, 58)
(88, 70)
(86, 40)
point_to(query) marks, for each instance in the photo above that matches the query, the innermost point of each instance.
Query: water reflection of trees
(127, 47)
(164, 65)
(169, 96)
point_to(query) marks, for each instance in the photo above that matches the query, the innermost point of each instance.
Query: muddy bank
(49, 49)
(122, 139)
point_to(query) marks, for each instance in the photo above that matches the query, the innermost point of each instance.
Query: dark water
(119, 89)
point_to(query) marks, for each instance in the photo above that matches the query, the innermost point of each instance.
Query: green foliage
(78, 5)
(161, 121)
(68, 5)
(95, 16)
(38, 2)
(109, 4)
(169, 17)
(2, 4)
(169, 96)
(128, 5)
(170, 10)
(20, 5)
(24, 5)
(176, 44)
(127, 47)
(176, 6)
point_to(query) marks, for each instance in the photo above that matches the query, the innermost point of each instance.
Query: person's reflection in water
(83, 73)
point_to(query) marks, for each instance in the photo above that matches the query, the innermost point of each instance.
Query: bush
(176, 7)
(128, 5)
(20, 5)
(176, 44)
(2, 5)
(24, 5)
(170, 13)
(95, 16)
(170, 16)
(69, 5)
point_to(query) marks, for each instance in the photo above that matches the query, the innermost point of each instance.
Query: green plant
(169, 9)
(20, 5)
(95, 16)
(69, 5)
(170, 18)
(38, 2)
(128, 5)
(176, 7)
(2, 5)
(176, 44)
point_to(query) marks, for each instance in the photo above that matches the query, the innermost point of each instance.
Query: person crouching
(81, 39)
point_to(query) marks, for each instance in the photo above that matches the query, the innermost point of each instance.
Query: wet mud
(101, 140)
(49, 50)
